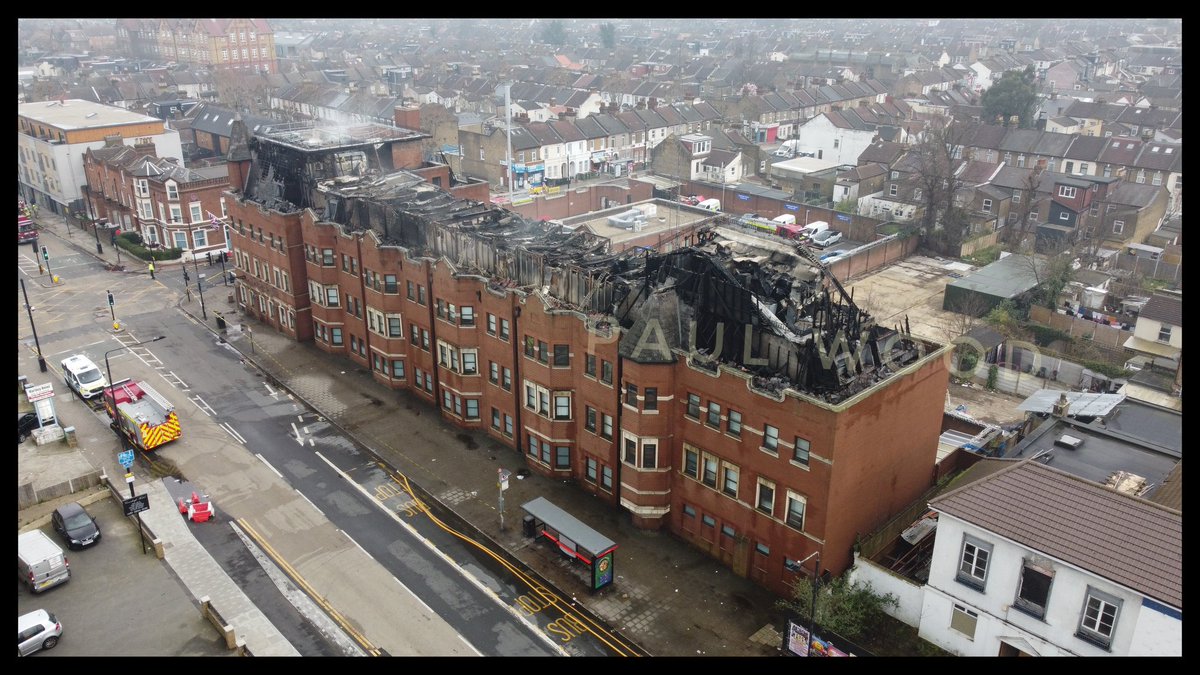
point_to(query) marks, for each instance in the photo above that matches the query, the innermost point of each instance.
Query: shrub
(132, 242)
(993, 375)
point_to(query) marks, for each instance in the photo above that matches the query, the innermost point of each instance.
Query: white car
(825, 238)
(37, 630)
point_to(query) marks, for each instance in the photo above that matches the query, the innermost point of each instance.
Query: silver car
(37, 630)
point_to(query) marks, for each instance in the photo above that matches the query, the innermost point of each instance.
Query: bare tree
(935, 158)
(1029, 204)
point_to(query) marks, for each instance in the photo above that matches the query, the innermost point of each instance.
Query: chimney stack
(1062, 407)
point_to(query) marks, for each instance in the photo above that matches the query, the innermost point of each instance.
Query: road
(309, 514)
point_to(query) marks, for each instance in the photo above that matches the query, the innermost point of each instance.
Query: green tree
(852, 610)
(555, 33)
(847, 205)
(1015, 95)
(608, 35)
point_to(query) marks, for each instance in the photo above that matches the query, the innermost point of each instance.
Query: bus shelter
(573, 538)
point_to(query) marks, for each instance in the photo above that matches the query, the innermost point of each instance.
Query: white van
(812, 228)
(40, 562)
(710, 204)
(784, 219)
(83, 376)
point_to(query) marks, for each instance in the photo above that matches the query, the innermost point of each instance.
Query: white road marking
(264, 461)
(298, 439)
(272, 392)
(310, 503)
(238, 437)
(533, 628)
(469, 645)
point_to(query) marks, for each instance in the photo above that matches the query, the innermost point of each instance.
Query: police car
(83, 376)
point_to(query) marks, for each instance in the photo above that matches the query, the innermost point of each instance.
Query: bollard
(69, 432)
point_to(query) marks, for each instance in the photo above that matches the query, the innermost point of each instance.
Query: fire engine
(26, 230)
(141, 414)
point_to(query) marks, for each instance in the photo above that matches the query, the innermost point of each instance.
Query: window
(771, 439)
(491, 324)
(398, 370)
(1064, 215)
(409, 286)
(589, 365)
(800, 452)
(1034, 589)
(892, 190)
(591, 468)
(766, 496)
(606, 426)
(734, 424)
(1083, 169)
(335, 336)
(327, 257)
(543, 352)
(562, 457)
(420, 294)
(1066, 191)
(963, 620)
(562, 355)
(506, 379)
(631, 395)
(589, 418)
(973, 565)
(762, 549)
(508, 425)
(1156, 179)
(504, 329)
(196, 213)
(606, 371)
(200, 237)
(416, 333)
(713, 418)
(470, 361)
(693, 406)
(795, 510)
(1164, 333)
(1099, 618)
(529, 346)
(562, 406)
(651, 399)
(691, 462)
(172, 190)
(987, 206)
(630, 454)
(1118, 226)
(710, 471)
(730, 484)
(472, 409)
(649, 454)
(1016, 197)
(606, 478)
(493, 372)
(181, 240)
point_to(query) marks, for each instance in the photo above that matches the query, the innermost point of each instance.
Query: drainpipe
(362, 291)
(514, 338)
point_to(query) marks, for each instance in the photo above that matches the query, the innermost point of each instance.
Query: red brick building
(167, 204)
(728, 393)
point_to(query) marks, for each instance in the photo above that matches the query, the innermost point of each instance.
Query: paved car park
(120, 602)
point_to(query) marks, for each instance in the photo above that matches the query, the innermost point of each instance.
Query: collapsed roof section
(769, 310)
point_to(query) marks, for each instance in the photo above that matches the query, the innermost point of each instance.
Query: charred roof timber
(772, 312)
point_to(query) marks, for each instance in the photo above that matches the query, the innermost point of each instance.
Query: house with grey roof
(1032, 560)
(1158, 338)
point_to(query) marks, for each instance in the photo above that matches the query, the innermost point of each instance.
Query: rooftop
(73, 114)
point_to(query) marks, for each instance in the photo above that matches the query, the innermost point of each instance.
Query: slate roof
(1127, 540)
(1164, 308)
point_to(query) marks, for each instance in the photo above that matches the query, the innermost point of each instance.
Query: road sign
(504, 474)
(129, 479)
(38, 392)
(125, 458)
(136, 504)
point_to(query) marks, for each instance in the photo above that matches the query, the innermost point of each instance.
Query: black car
(76, 526)
(26, 423)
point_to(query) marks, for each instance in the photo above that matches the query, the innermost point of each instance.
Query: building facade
(52, 137)
(217, 44)
(754, 440)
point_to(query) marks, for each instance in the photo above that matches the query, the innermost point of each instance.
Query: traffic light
(111, 302)
(45, 254)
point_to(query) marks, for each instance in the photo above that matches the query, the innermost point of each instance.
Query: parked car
(825, 238)
(75, 525)
(830, 256)
(26, 423)
(37, 630)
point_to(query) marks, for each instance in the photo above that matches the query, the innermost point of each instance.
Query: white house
(837, 136)
(1158, 333)
(1031, 560)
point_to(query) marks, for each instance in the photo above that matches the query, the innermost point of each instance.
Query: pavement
(668, 597)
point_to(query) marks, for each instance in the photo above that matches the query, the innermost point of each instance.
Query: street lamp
(29, 309)
(812, 610)
(199, 287)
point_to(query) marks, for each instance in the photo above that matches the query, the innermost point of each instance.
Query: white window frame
(770, 432)
(558, 399)
(796, 498)
(176, 214)
(200, 237)
(961, 617)
(196, 211)
(987, 206)
(726, 469)
(759, 493)
(1091, 626)
(974, 562)
(175, 235)
(1066, 191)
(172, 190)
(1118, 227)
